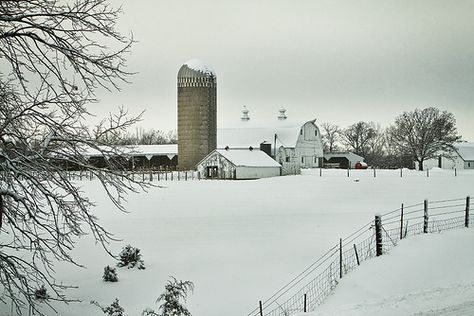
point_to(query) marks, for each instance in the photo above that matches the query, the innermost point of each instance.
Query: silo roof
(196, 68)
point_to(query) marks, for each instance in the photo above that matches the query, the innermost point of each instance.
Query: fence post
(304, 305)
(468, 202)
(428, 173)
(357, 255)
(375, 172)
(348, 172)
(425, 217)
(340, 258)
(378, 235)
(320, 171)
(199, 175)
(186, 176)
(455, 172)
(151, 176)
(401, 223)
(401, 172)
(261, 308)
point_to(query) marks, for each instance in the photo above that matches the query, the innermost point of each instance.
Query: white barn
(238, 164)
(461, 158)
(293, 144)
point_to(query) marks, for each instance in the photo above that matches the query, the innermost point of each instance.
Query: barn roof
(137, 150)
(253, 133)
(247, 158)
(465, 150)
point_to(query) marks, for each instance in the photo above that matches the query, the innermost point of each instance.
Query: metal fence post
(357, 255)
(378, 235)
(425, 217)
(468, 204)
(401, 223)
(304, 305)
(261, 308)
(340, 258)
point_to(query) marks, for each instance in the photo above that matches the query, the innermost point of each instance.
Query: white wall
(257, 172)
(225, 168)
(446, 163)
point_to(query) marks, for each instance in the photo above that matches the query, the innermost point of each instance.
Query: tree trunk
(420, 165)
(1, 211)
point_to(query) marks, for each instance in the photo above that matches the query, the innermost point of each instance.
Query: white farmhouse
(293, 144)
(462, 158)
(238, 164)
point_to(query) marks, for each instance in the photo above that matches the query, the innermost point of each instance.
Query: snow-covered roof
(465, 150)
(137, 150)
(345, 154)
(195, 68)
(248, 158)
(252, 133)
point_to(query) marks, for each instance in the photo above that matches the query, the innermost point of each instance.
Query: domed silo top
(195, 68)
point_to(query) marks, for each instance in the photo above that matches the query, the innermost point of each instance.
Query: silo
(197, 113)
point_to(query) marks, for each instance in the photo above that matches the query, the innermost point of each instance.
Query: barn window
(315, 159)
(301, 132)
(469, 164)
(287, 159)
(315, 132)
(302, 159)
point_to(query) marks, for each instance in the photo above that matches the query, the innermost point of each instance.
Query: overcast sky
(336, 61)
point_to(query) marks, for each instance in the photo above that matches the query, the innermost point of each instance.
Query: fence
(374, 172)
(142, 175)
(311, 287)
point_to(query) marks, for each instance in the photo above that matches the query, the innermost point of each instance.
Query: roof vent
(251, 148)
(282, 115)
(226, 148)
(245, 114)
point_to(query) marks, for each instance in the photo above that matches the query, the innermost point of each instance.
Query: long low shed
(238, 164)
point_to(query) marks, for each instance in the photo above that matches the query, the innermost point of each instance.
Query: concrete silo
(197, 113)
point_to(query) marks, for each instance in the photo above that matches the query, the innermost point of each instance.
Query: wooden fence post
(320, 171)
(375, 173)
(401, 223)
(378, 235)
(348, 172)
(468, 202)
(401, 172)
(425, 217)
(357, 255)
(428, 173)
(340, 258)
(261, 308)
(304, 304)
(455, 172)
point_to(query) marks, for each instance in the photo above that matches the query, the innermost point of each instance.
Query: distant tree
(330, 136)
(359, 136)
(424, 134)
(54, 55)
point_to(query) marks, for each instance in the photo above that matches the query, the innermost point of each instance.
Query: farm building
(238, 164)
(343, 160)
(140, 156)
(461, 158)
(293, 144)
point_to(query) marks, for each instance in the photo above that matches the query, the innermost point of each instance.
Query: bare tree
(54, 58)
(424, 134)
(330, 136)
(358, 137)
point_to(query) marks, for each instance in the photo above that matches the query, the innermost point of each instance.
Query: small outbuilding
(238, 164)
(344, 160)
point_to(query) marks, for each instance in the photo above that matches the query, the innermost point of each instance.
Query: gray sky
(337, 61)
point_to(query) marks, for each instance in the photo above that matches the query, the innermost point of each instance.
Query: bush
(41, 293)
(130, 257)
(110, 275)
(170, 299)
(113, 309)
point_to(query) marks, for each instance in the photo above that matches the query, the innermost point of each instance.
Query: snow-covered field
(239, 241)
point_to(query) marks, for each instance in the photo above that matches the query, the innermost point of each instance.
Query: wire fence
(311, 287)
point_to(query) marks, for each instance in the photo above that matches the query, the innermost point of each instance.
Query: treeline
(141, 136)
(413, 137)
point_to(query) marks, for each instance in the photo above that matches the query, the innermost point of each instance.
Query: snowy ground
(238, 241)
(424, 275)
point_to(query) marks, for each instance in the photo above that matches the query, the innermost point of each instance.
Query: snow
(252, 133)
(424, 275)
(249, 158)
(198, 65)
(138, 150)
(240, 241)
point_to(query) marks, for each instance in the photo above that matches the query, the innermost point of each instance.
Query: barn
(229, 163)
(461, 158)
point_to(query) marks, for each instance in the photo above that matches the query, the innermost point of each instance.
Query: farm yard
(238, 241)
